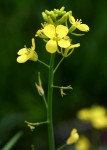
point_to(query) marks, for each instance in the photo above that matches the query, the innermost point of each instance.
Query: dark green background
(85, 70)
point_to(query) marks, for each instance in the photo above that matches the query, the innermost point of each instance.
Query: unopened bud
(40, 89)
(50, 20)
(63, 18)
(45, 16)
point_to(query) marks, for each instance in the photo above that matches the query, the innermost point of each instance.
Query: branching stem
(58, 65)
(43, 63)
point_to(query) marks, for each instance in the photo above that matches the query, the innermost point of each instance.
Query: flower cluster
(56, 16)
(56, 33)
(96, 115)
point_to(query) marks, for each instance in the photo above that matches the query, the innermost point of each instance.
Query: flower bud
(40, 89)
(45, 16)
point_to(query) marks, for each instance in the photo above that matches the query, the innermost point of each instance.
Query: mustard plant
(57, 32)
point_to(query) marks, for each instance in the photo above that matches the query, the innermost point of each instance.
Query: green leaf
(12, 141)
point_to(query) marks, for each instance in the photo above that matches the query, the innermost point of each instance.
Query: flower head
(77, 24)
(73, 137)
(27, 54)
(57, 37)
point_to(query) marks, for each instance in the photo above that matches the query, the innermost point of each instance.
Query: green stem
(49, 100)
(58, 64)
(37, 123)
(63, 87)
(45, 101)
(43, 63)
(61, 147)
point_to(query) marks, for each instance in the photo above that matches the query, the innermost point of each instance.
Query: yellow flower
(73, 137)
(96, 115)
(27, 54)
(77, 24)
(82, 144)
(69, 50)
(84, 114)
(57, 37)
(100, 123)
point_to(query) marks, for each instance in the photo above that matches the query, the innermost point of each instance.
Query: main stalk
(49, 99)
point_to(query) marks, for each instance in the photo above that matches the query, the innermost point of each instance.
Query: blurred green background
(85, 69)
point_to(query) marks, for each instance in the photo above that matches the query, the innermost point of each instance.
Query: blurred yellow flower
(100, 123)
(78, 24)
(57, 37)
(27, 54)
(84, 114)
(82, 144)
(96, 115)
(73, 137)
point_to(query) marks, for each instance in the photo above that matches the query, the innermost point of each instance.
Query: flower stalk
(58, 65)
(43, 63)
(49, 101)
(61, 147)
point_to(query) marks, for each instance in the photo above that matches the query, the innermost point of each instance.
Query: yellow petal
(83, 27)
(61, 31)
(49, 31)
(22, 59)
(64, 43)
(71, 19)
(23, 51)
(74, 45)
(51, 46)
(39, 32)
